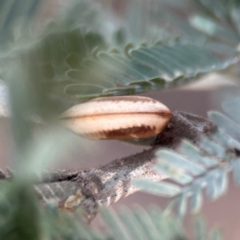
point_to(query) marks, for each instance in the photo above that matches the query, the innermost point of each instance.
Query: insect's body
(123, 117)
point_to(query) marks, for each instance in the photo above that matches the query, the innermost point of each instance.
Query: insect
(120, 117)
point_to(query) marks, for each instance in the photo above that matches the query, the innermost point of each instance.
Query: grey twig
(96, 187)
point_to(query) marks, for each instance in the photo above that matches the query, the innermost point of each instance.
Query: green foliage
(205, 165)
(15, 17)
(76, 57)
(201, 232)
(19, 221)
(74, 60)
(78, 69)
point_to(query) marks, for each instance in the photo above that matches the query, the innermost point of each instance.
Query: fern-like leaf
(138, 70)
(205, 164)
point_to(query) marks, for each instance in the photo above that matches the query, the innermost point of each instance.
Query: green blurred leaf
(200, 229)
(224, 122)
(212, 28)
(161, 188)
(216, 235)
(189, 150)
(231, 107)
(179, 162)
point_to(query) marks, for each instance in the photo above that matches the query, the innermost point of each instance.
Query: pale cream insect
(121, 117)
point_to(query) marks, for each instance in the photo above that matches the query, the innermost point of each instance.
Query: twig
(93, 188)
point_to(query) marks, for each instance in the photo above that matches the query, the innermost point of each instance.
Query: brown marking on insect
(118, 118)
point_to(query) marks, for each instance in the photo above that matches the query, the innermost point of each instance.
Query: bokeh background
(197, 98)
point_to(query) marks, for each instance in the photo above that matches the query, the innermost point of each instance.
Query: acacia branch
(96, 187)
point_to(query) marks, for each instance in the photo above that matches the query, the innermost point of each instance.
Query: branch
(105, 185)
